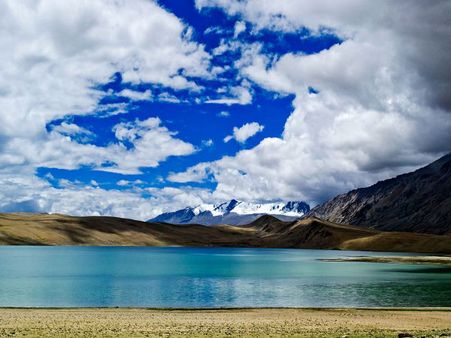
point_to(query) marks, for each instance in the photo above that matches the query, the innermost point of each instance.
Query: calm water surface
(211, 277)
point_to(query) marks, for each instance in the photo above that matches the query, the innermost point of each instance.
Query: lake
(211, 278)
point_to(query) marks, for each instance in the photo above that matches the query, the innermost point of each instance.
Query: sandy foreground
(224, 323)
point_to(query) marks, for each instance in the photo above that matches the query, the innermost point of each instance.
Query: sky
(132, 108)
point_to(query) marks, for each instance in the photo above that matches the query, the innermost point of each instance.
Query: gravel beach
(225, 323)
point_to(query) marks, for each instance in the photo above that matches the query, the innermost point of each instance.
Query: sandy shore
(224, 323)
(445, 260)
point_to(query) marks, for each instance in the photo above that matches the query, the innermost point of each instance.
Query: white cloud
(43, 77)
(111, 109)
(207, 143)
(71, 129)
(152, 143)
(168, 98)
(53, 56)
(31, 194)
(136, 95)
(222, 48)
(215, 30)
(138, 144)
(196, 173)
(122, 183)
(381, 107)
(238, 95)
(243, 133)
(239, 28)
(224, 113)
(289, 15)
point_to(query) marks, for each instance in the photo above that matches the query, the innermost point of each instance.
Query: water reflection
(212, 277)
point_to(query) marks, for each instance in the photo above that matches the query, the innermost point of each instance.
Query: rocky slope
(233, 212)
(267, 231)
(419, 201)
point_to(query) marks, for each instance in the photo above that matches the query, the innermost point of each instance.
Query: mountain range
(411, 212)
(234, 212)
(419, 201)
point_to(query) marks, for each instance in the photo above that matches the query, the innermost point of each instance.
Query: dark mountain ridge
(419, 201)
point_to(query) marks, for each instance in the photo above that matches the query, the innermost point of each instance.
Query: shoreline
(200, 309)
(112, 246)
(247, 322)
(435, 260)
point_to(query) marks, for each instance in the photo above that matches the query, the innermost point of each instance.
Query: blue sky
(132, 108)
(190, 117)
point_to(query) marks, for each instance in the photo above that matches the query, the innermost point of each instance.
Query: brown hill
(55, 229)
(43, 229)
(314, 233)
(268, 224)
(419, 201)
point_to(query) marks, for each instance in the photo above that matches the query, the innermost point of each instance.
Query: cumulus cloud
(136, 95)
(141, 143)
(44, 76)
(151, 143)
(379, 108)
(54, 55)
(381, 104)
(236, 95)
(196, 173)
(419, 38)
(239, 28)
(74, 131)
(124, 183)
(243, 133)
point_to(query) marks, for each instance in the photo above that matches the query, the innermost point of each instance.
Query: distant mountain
(233, 212)
(419, 201)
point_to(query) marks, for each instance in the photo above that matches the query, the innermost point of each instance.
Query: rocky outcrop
(419, 201)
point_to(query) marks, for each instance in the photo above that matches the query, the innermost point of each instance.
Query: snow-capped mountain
(233, 212)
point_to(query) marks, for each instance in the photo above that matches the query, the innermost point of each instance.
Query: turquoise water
(211, 277)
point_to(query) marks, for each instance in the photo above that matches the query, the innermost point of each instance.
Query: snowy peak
(295, 209)
(291, 208)
(234, 212)
(226, 207)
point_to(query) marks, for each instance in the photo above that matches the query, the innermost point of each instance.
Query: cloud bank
(380, 104)
(53, 56)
